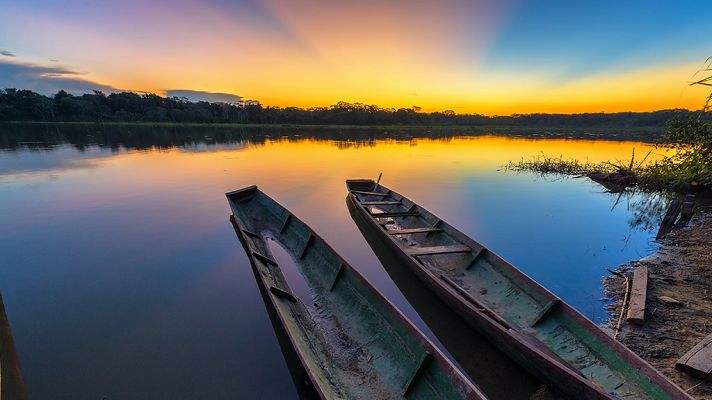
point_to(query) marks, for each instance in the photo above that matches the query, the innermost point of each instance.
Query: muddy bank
(680, 270)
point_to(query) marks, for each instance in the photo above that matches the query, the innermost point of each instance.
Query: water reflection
(145, 137)
(116, 251)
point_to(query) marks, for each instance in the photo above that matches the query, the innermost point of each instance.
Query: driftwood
(636, 308)
(623, 304)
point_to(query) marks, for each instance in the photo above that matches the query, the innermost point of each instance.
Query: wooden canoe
(351, 341)
(534, 327)
(12, 384)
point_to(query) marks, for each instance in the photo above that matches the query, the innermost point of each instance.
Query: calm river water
(123, 278)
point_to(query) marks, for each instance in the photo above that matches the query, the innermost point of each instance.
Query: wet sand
(681, 270)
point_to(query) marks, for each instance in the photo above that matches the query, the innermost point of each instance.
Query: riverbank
(680, 271)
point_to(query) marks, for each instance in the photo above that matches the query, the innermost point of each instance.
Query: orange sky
(468, 56)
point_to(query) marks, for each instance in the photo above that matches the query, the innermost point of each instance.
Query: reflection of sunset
(305, 162)
(308, 170)
(137, 243)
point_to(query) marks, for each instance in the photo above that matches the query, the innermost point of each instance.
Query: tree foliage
(691, 140)
(25, 105)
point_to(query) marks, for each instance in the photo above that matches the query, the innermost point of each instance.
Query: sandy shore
(681, 270)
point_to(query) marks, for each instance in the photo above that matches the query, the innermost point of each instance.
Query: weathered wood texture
(371, 193)
(698, 361)
(396, 214)
(410, 231)
(426, 251)
(12, 384)
(543, 334)
(636, 309)
(669, 219)
(339, 345)
(686, 210)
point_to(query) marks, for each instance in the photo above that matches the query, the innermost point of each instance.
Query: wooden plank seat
(410, 231)
(380, 203)
(428, 251)
(396, 214)
(370, 193)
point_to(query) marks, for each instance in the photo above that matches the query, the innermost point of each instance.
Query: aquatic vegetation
(686, 166)
(556, 165)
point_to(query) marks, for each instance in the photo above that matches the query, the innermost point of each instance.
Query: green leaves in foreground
(690, 165)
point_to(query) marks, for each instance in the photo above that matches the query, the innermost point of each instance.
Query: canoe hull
(523, 349)
(550, 371)
(349, 339)
(301, 378)
(12, 383)
(479, 357)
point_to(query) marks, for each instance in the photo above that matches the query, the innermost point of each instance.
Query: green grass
(687, 169)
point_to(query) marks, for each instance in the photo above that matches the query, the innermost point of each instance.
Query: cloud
(196, 95)
(46, 79)
(7, 53)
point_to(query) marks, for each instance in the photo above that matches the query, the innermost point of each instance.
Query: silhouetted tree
(25, 105)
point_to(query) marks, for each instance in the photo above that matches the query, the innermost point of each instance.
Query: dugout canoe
(12, 383)
(533, 326)
(351, 341)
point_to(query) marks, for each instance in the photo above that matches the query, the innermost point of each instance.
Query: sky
(489, 57)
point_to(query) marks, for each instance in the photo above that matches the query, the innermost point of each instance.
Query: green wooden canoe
(533, 326)
(351, 341)
(12, 384)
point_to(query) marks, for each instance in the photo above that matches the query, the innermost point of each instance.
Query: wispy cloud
(196, 95)
(7, 53)
(46, 79)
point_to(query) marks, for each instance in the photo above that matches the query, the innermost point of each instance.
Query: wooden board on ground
(636, 309)
(698, 361)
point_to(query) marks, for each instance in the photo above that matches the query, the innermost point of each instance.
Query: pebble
(669, 300)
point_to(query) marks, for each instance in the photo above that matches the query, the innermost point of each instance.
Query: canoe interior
(522, 304)
(350, 339)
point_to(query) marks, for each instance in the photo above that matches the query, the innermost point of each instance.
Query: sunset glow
(471, 57)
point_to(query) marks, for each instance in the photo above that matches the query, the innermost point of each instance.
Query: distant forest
(26, 105)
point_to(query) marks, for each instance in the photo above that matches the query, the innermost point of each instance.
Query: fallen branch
(624, 304)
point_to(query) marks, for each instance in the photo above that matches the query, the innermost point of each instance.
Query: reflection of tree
(344, 145)
(646, 208)
(145, 137)
(42, 137)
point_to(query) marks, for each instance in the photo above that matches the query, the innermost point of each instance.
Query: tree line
(26, 105)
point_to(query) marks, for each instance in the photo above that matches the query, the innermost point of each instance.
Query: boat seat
(370, 193)
(396, 214)
(264, 258)
(380, 203)
(410, 231)
(426, 251)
